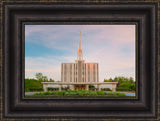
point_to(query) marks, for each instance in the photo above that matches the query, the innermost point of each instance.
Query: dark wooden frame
(142, 13)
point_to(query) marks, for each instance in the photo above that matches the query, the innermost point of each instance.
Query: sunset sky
(112, 46)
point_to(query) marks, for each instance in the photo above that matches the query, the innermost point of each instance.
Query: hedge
(79, 93)
(122, 89)
(106, 89)
(52, 89)
(32, 85)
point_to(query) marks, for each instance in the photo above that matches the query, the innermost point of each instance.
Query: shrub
(115, 93)
(106, 89)
(109, 93)
(91, 86)
(59, 93)
(100, 93)
(121, 94)
(63, 92)
(133, 86)
(122, 89)
(52, 89)
(86, 92)
(80, 94)
(92, 93)
(73, 93)
(41, 94)
(33, 85)
(48, 93)
(66, 93)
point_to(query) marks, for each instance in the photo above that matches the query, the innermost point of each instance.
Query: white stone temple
(79, 75)
(79, 72)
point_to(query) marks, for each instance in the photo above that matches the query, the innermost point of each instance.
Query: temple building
(79, 72)
(79, 75)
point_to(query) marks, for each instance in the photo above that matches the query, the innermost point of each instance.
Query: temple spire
(79, 51)
(79, 39)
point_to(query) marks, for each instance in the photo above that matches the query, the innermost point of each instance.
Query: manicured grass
(79, 93)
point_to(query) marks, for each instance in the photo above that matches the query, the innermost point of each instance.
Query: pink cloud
(102, 46)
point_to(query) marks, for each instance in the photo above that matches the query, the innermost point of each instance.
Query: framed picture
(78, 60)
(80, 77)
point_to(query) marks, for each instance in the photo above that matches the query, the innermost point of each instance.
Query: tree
(51, 80)
(133, 86)
(39, 76)
(122, 79)
(109, 80)
(125, 84)
(33, 85)
(44, 78)
(131, 80)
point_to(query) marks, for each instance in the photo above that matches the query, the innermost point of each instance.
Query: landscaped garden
(80, 93)
(34, 87)
(124, 84)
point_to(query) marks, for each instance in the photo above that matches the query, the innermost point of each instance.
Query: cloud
(50, 66)
(112, 46)
(112, 63)
(110, 66)
(64, 36)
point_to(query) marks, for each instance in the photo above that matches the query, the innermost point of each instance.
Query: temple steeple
(79, 51)
(79, 39)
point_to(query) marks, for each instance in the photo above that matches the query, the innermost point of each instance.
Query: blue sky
(112, 46)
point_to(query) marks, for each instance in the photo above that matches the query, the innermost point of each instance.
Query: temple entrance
(82, 87)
